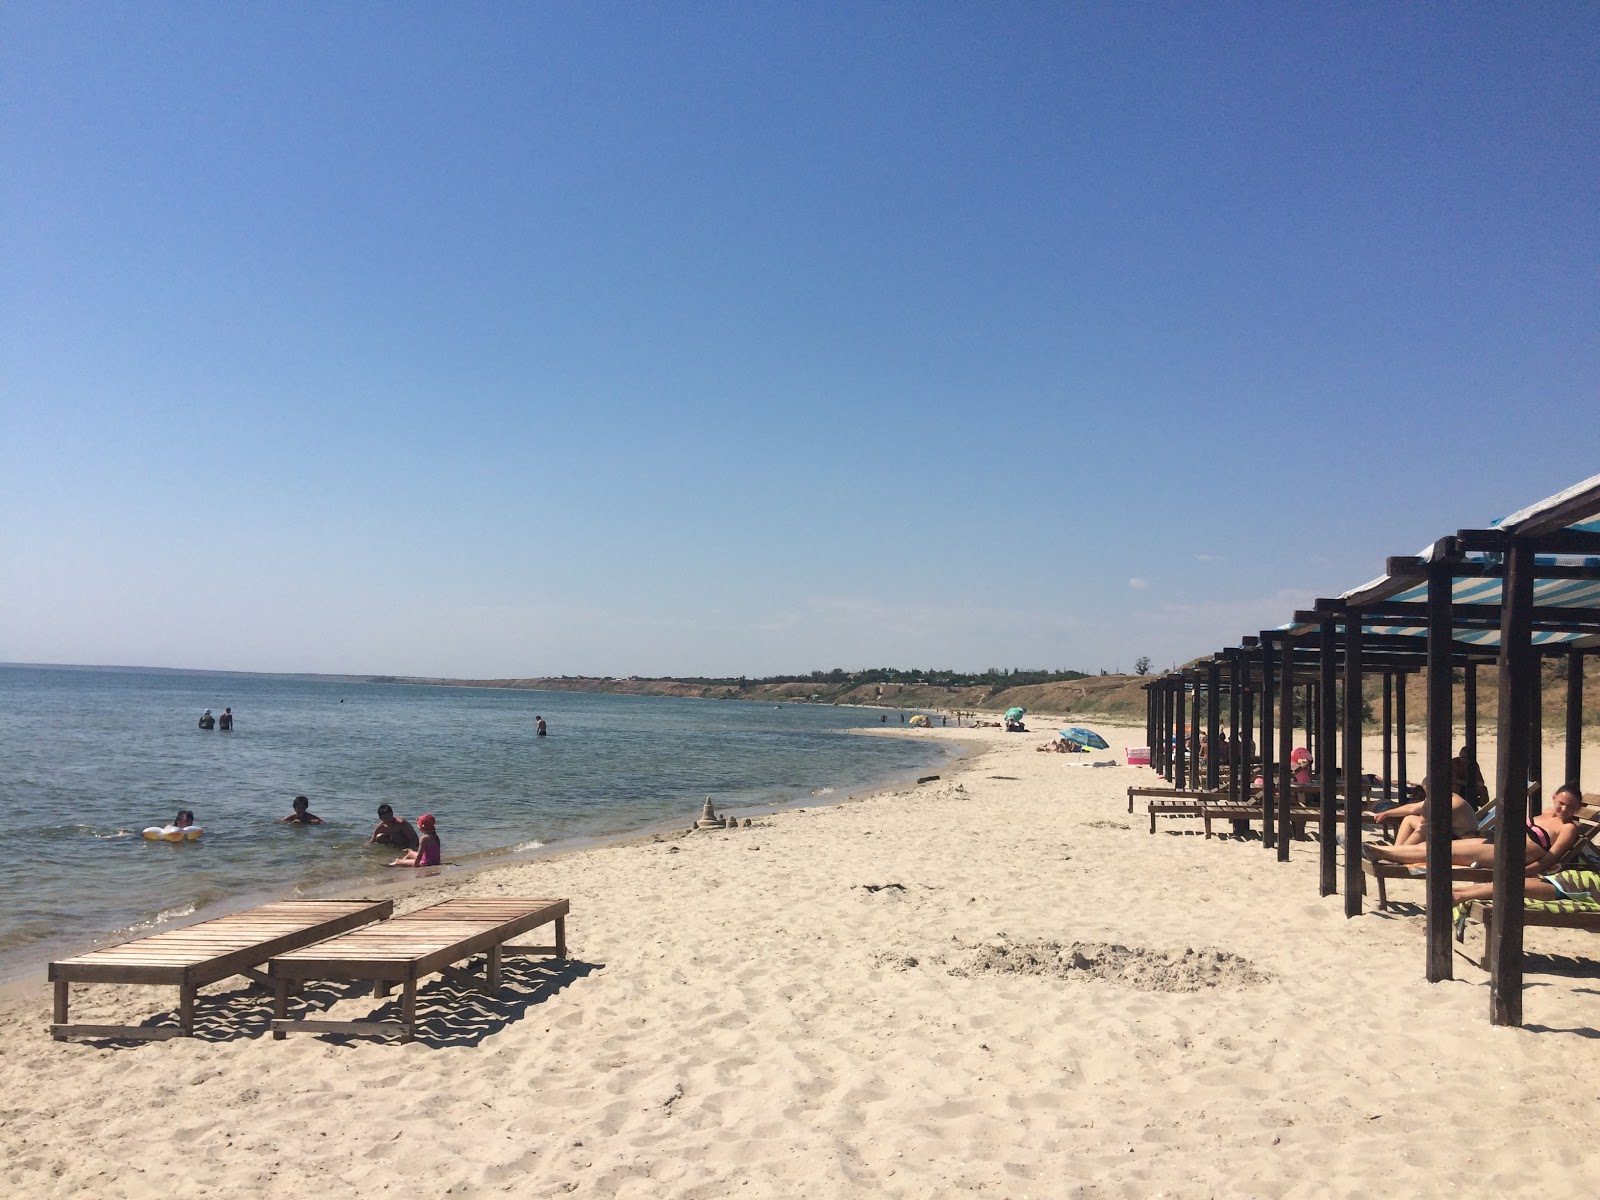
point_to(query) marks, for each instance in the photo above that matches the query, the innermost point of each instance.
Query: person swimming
(302, 814)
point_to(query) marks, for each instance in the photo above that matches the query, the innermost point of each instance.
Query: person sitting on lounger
(1550, 835)
(427, 853)
(1413, 818)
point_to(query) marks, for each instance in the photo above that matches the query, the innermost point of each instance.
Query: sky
(492, 340)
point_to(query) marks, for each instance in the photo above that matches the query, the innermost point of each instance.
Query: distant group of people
(224, 723)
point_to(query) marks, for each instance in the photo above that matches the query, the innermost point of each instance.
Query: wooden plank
(141, 1033)
(280, 1028)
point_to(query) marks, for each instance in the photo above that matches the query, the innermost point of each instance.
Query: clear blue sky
(538, 339)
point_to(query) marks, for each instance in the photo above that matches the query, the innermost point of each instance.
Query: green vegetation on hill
(1058, 693)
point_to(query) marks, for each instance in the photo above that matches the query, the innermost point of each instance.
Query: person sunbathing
(1413, 818)
(1549, 836)
(1580, 885)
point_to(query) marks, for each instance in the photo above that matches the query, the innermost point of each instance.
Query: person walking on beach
(428, 852)
(302, 814)
(539, 726)
(393, 830)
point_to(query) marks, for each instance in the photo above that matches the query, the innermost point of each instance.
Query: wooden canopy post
(1353, 882)
(1213, 725)
(1244, 759)
(1233, 723)
(1388, 735)
(1469, 706)
(1518, 670)
(1327, 845)
(1179, 757)
(1159, 750)
(1286, 747)
(1441, 721)
(1268, 812)
(1195, 779)
(1574, 716)
(1536, 736)
(1401, 679)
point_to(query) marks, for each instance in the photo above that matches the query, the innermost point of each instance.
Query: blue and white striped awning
(1576, 508)
(1547, 593)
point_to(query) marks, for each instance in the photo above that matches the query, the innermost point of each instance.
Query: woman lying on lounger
(1578, 885)
(1550, 835)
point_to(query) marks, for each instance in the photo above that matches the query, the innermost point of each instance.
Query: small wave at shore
(161, 918)
(528, 845)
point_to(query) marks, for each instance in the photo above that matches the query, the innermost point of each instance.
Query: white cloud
(1138, 585)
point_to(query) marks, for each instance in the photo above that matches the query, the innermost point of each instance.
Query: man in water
(538, 726)
(302, 814)
(225, 721)
(393, 830)
(207, 720)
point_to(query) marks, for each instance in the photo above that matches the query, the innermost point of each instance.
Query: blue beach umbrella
(1087, 738)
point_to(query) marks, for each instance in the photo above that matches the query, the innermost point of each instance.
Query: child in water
(427, 853)
(302, 814)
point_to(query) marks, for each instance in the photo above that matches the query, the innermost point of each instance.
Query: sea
(91, 756)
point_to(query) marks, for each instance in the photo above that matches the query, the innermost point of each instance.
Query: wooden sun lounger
(1578, 852)
(402, 951)
(1484, 911)
(200, 954)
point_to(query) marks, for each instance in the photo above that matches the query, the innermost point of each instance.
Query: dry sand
(908, 995)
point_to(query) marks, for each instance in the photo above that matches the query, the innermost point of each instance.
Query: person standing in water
(539, 726)
(207, 721)
(225, 721)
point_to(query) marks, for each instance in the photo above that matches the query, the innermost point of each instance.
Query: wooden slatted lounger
(1484, 911)
(1578, 852)
(402, 951)
(200, 954)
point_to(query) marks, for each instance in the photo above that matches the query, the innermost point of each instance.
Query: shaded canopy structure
(1512, 595)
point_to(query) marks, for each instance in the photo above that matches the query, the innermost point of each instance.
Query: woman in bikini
(1549, 836)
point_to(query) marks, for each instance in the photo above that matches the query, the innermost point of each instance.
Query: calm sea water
(90, 757)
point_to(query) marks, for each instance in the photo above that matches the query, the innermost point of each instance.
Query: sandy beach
(996, 983)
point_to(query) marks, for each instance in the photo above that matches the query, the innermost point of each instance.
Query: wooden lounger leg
(1205, 818)
(491, 971)
(408, 1011)
(381, 988)
(280, 1007)
(62, 1001)
(561, 937)
(186, 1008)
